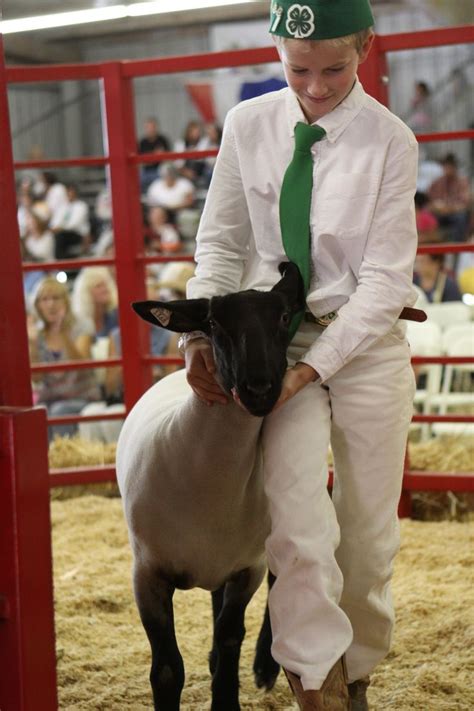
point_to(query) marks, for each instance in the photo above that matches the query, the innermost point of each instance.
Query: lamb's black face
(250, 338)
(249, 332)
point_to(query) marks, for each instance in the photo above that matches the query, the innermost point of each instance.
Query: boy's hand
(200, 370)
(295, 379)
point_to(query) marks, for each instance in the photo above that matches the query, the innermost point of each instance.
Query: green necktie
(295, 205)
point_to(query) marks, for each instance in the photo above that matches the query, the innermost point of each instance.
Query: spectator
(152, 141)
(71, 226)
(436, 284)
(420, 117)
(162, 237)
(450, 200)
(59, 336)
(212, 139)
(38, 240)
(426, 222)
(171, 190)
(26, 201)
(170, 286)
(428, 170)
(191, 141)
(54, 193)
(24, 198)
(32, 176)
(94, 299)
(162, 342)
(37, 245)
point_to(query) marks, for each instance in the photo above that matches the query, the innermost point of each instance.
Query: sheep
(191, 480)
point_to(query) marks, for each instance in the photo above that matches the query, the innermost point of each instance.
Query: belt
(407, 313)
(320, 320)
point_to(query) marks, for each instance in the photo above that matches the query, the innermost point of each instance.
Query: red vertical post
(373, 73)
(27, 650)
(127, 226)
(15, 383)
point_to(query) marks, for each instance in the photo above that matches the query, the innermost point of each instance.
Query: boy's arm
(385, 276)
(224, 230)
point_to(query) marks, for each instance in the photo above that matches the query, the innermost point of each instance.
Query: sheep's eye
(285, 318)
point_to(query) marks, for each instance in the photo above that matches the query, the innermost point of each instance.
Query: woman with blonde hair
(56, 335)
(95, 298)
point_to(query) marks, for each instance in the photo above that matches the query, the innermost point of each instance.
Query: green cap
(319, 19)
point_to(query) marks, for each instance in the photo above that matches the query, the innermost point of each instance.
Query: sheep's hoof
(266, 673)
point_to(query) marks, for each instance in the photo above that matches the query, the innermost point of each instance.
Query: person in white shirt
(55, 194)
(170, 190)
(192, 140)
(38, 240)
(350, 382)
(72, 216)
(71, 226)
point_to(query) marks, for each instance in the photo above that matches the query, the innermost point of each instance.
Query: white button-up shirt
(363, 231)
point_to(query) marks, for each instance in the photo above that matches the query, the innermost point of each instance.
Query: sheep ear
(179, 316)
(291, 285)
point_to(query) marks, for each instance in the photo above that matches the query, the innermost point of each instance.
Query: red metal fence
(15, 375)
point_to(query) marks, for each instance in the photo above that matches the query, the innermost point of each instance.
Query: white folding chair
(448, 313)
(425, 340)
(449, 396)
(453, 333)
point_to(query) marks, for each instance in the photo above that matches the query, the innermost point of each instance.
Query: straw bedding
(103, 653)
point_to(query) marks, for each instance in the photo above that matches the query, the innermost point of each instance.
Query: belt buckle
(327, 319)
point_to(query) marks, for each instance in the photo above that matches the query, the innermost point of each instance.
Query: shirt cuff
(325, 360)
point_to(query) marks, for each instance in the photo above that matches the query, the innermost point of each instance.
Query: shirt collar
(336, 121)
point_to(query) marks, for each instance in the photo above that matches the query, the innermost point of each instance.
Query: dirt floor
(103, 654)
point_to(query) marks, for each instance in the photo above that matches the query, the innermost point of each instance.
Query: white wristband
(186, 338)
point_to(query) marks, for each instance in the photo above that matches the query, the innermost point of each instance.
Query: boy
(350, 380)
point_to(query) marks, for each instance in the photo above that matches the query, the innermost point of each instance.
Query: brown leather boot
(332, 696)
(358, 694)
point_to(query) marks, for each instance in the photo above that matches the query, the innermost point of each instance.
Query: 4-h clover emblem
(300, 21)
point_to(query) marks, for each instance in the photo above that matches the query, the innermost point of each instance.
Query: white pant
(333, 558)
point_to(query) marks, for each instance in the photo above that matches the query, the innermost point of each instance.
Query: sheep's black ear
(292, 286)
(181, 316)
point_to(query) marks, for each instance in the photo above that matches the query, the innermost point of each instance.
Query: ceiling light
(63, 19)
(115, 12)
(154, 8)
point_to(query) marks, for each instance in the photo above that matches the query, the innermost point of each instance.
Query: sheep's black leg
(265, 668)
(229, 635)
(154, 596)
(217, 602)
